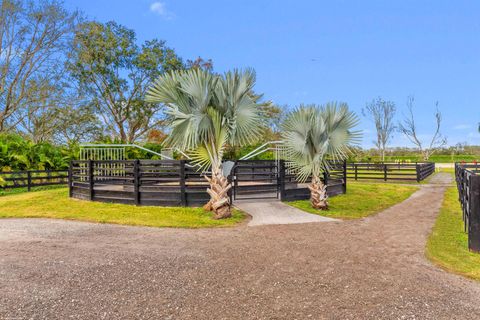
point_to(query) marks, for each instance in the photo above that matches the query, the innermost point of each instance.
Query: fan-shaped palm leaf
(312, 136)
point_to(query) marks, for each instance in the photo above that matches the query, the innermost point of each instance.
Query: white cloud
(462, 127)
(160, 8)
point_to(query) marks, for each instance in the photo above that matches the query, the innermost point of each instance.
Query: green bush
(17, 153)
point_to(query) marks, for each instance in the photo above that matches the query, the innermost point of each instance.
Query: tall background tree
(381, 113)
(114, 72)
(409, 128)
(35, 37)
(274, 116)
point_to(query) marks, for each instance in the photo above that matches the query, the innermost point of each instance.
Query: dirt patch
(363, 269)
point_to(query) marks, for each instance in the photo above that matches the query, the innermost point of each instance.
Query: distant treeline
(457, 153)
(20, 153)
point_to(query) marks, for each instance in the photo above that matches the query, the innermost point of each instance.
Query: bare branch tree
(34, 36)
(409, 128)
(381, 112)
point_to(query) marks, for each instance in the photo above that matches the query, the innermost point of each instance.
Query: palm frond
(315, 134)
(208, 111)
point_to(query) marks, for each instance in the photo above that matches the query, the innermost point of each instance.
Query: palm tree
(206, 113)
(312, 136)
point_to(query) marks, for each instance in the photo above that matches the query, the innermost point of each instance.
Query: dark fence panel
(176, 183)
(292, 189)
(468, 185)
(390, 171)
(139, 182)
(33, 178)
(255, 179)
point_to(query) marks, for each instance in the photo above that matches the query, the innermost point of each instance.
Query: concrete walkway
(441, 179)
(276, 212)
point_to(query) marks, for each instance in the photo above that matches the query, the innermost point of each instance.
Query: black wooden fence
(270, 179)
(33, 178)
(139, 182)
(390, 171)
(468, 184)
(255, 179)
(292, 189)
(176, 183)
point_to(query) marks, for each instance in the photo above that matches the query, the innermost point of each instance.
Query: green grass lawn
(361, 200)
(55, 203)
(447, 245)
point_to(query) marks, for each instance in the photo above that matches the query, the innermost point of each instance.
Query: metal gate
(256, 179)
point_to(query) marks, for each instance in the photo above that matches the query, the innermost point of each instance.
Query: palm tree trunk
(318, 194)
(219, 199)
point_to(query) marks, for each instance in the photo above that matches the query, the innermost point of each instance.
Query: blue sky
(318, 51)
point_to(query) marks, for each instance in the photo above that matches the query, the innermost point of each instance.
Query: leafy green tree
(207, 112)
(274, 116)
(114, 72)
(77, 124)
(201, 63)
(312, 136)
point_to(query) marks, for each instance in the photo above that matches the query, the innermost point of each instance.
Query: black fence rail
(139, 182)
(255, 179)
(291, 189)
(33, 178)
(176, 183)
(467, 177)
(390, 171)
(270, 179)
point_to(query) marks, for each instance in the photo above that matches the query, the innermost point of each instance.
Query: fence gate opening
(256, 179)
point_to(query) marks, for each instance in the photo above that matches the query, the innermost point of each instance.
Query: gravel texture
(373, 268)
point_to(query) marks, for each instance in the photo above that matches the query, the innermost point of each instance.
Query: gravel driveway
(372, 268)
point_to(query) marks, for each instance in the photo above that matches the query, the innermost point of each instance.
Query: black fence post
(463, 199)
(90, 179)
(419, 178)
(136, 181)
(356, 171)
(29, 180)
(281, 180)
(230, 192)
(183, 193)
(70, 179)
(344, 176)
(385, 172)
(474, 218)
(235, 181)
